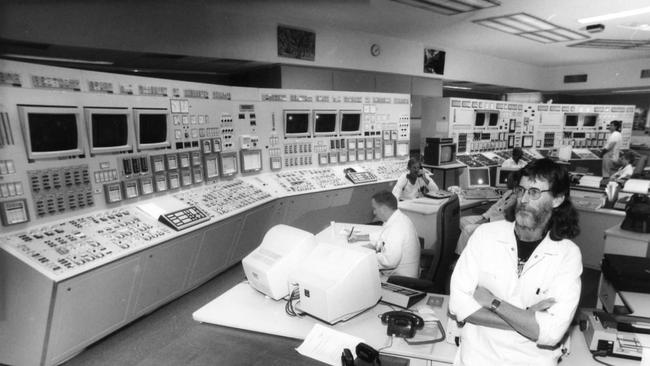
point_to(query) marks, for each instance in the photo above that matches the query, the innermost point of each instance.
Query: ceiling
(391, 19)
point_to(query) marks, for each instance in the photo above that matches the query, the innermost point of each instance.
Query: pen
(537, 292)
(351, 231)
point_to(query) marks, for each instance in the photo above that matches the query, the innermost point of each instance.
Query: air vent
(645, 74)
(578, 78)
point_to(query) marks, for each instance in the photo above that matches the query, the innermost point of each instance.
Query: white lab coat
(397, 246)
(490, 260)
(404, 190)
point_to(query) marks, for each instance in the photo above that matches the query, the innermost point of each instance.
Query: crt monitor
(152, 128)
(325, 123)
(297, 123)
(493, 119)
(267, 268)
(350, 123)
(251, 160)
(337, 282)
(439, 151)
(228, 164)
(503, 175)
(570, 120)
(527, 141)
(478, 177)
(589, 120)
(109, 130)
(51, 132)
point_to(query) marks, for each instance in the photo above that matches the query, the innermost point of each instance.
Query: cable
(289, 306)
(595, 354)
(390, 344)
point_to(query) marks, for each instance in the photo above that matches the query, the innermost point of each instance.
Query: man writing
(397, 245)
(517, 283)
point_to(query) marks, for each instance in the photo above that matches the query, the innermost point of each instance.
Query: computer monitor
(152, 128)
(503, 174)
(527, 141)
(325, 123)
(350, 123)
(439, 151)
(267, 268)
(251, 160)
(589, 120)
(570, 120)
(51, 132)
(297, 123)
(478, 177)
(109, 130)
(228, 164)
(337, 282)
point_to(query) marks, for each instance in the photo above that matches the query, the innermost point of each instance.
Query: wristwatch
(495, 304)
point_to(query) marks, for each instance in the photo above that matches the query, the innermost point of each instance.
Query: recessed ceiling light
(531, 27)
(57, 59)
(620, 14)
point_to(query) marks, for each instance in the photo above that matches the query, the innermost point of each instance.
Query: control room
(364, 182)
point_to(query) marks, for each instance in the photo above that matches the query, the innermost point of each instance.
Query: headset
(402, 323)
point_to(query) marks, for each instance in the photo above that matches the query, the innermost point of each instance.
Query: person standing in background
(516, 161)
(612, 149)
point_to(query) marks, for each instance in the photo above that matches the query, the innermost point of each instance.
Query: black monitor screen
(53, 131)
(297, 123)
(494, 119)
(590, 120)
(480, 119)
(350, 122)
(109, 130)
(571, 120)
(153, 128)
(324, 122)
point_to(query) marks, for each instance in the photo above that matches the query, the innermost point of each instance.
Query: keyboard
(480, 193)
(184, 218)
(361, 177)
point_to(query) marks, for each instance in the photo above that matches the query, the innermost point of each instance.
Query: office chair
(435, 276)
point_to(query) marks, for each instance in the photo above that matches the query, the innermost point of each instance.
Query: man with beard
(516, 285)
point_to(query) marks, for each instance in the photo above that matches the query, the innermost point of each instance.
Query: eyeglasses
(533, 193)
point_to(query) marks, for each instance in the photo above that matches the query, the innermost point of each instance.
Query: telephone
(402, 323)
(358, 177)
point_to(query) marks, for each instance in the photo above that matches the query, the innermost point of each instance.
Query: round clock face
(375, 50)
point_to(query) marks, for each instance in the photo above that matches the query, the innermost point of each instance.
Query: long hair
(517, 153)
(564, 218)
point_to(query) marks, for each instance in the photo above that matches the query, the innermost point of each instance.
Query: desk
(244, 308)
(625, 242)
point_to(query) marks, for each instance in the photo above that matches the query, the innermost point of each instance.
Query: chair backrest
(448, 224)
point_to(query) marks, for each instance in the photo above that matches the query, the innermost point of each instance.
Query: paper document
(637, 186)
(326, 344)
(644, 339)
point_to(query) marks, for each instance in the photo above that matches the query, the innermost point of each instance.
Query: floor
(134, 344)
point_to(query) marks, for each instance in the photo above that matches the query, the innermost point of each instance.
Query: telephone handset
(358, 177)
(402, 323)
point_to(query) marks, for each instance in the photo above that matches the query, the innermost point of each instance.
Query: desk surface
(244, 308)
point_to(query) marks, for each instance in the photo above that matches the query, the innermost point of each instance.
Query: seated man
(627, 166)
(414, 183)
(496, 212)
(397, 246)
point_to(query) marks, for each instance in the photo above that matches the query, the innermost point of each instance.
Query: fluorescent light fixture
(456, 87)
(57, 59)
(610, 16)
(622, 44)
(632, 91)
(450, 7)
(531, 27)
